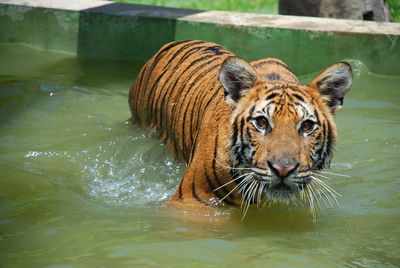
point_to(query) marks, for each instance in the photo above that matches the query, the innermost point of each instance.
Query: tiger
(249, 132)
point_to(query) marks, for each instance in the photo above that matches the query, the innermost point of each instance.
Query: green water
(79, 188)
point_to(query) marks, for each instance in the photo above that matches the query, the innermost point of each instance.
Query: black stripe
(300, 98)
(241, 130)
(234, 134)
(183, 48)
(189, 87)
(209, 101)
(138, 85)
(175, 67)
(196, 196)
(198, 79)
(213, 187)
(248, 135)
(251, 111)
(292, 109)
(217, 50)
(316, 115)
(271, 96)
(323, 154)
(156, 59)
(296, 88)
(180, 189)
(161, 98)
(288, 96)
(203, 109)
(278, 86)
(195, 71)
(151, 98)
(279, 108)
(177, 93)
(194, 115)
(215, 155)
(165, 100)
(151, 101)
(235, 175)
(330, 141)
(141, 88)
(173, 44)
(320, 163)
(252, 155)
(303, 106)
(195, 125)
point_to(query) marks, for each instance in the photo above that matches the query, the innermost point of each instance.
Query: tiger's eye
(307, 126)
(262, 122)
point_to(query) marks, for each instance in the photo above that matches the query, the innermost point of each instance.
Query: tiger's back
(175, 87)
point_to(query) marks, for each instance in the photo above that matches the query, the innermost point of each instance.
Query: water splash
(130, 171)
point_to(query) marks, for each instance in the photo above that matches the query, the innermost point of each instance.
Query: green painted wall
(119, 31)
(42, 27)
(304, 51)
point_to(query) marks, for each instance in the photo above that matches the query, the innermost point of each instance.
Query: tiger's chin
(285, 191)
(282, 193)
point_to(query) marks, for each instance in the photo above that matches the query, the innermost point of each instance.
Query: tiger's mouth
(288, 189)
(274, 188)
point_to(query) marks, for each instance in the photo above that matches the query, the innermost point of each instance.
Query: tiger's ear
(237, 77)
(333, 84)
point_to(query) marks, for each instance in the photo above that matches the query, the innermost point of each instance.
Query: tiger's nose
(282, 169)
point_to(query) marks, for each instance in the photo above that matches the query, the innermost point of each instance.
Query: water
(80, 188)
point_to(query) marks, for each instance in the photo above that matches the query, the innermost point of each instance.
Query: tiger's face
(284, 138)
(282, 132)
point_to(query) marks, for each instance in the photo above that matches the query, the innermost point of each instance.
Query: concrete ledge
(105, 29)
(296, 22)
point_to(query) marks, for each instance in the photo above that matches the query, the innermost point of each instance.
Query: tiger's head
(283, 131)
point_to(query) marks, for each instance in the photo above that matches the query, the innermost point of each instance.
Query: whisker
(310, 200)
(315, 205)
(323, 192)
(336, 174)
(325, 197)
(228, 167)
(260, 191)
(333, 192)
(317, 191)
(323, 185)
(245, 197)
(248, 196)
(234, 188)
(245, 211)
(254, 191)
(322, 176)
(241, 176)
(302, 193)
(331, 197)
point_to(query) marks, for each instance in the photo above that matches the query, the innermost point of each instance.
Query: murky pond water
(79, 188)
